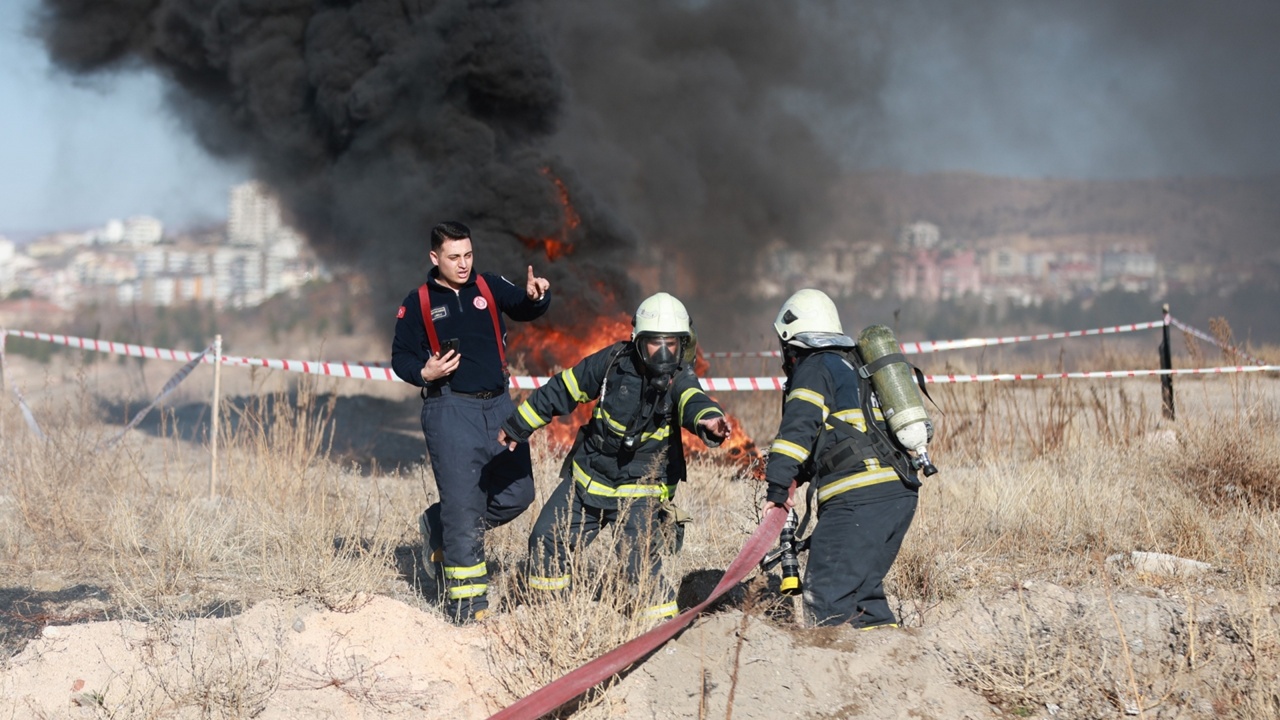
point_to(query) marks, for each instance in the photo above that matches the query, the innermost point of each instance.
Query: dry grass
(1040, 482)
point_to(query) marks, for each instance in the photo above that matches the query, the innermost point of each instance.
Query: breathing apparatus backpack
(884, 373)
(896, 386)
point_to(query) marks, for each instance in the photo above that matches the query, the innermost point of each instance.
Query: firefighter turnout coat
(822, 385)
(631, 447)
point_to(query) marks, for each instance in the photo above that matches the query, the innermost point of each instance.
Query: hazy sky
(1086, 89)
(76, 154)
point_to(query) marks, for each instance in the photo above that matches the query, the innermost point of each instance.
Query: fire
(557, 247)
(547, 350)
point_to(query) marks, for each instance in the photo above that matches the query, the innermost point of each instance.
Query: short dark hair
(451, 230)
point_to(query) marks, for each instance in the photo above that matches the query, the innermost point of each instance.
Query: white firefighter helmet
(662, 315)
(809, 319)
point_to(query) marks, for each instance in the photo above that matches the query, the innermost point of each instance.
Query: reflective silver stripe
(790, 449)
(571, 383)
(530, 416)
(549, 583)
(862, 479)
(468, 591)
(462, 573)
(809, 396)
(854, 418)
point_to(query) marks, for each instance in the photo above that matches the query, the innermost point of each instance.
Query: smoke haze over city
(716, 125)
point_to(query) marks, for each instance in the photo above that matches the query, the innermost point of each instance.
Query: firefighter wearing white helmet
(629, 457)
(865, 495)
(663, 336)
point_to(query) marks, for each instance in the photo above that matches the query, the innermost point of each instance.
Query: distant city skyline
(1089, 89)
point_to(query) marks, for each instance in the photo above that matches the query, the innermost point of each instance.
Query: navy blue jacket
(825, 384)
(463, 314)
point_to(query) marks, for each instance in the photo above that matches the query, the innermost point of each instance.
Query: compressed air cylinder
(895, 386)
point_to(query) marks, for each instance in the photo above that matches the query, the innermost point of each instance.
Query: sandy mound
(385, 659)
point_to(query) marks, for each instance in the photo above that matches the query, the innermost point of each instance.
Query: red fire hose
(568, 687)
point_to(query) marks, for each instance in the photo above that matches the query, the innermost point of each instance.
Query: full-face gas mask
(663, 338)
(661, 355)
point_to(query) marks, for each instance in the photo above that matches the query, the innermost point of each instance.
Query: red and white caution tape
(22, 402)
(312, 367)
(1210, 339)
(778, 383)
(107, 346)
(335, 369)
(169, 387)
(531, 382)
(1099, 374)
(929, 346)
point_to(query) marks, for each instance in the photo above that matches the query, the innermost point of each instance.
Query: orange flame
(550, 349)
(557, 247)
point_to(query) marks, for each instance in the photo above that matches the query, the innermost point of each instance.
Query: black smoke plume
(678, 129)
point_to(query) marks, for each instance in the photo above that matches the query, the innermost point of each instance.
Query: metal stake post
(216, 411)
(1166, 363)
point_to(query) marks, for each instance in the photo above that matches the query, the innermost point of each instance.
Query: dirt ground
(386, 659)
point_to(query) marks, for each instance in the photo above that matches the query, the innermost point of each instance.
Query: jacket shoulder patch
(400, 313)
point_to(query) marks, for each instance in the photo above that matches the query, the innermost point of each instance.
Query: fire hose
(577, 682)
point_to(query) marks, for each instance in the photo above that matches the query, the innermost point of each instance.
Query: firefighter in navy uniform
(465, 400)
(628, 458)
(865, 505)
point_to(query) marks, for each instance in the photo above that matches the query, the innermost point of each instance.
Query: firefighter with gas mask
(628, 458)
(865, 487)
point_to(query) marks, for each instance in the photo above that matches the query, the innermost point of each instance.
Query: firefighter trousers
(481, 485)
(851, 550)
(566, 523)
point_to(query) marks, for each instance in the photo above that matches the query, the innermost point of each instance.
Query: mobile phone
(447, 345)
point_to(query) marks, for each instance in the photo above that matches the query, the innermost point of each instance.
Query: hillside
(1213, 220)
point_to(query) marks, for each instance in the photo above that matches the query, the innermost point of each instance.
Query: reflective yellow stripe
(468, 591)
(661, 433)
(854, 418)
(549, 583)
(684, 400)
(879, 627)
(809, 396)
(531, 417)
(790, 449)
(862, 479)
(461, 573)
(663, 492)
(571, 383)
(616, 427)
(665, 610)
(705, 411)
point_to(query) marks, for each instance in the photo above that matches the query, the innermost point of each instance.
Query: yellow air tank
(900, 400)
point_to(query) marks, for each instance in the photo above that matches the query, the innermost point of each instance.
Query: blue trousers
(850, 552)
(566, 524)
(481, 484)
